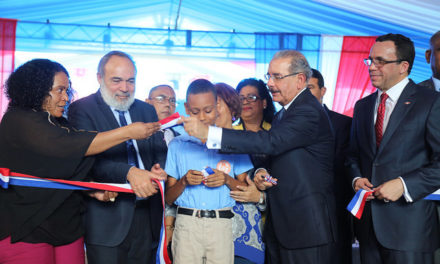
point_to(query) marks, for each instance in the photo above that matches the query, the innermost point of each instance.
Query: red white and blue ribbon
(169, 121)
(206, 172)
(269, 179)
(357, 204)
(12, 178)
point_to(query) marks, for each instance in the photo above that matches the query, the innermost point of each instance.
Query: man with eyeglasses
(301, 221)
(395, 152)
(433, 58)
(163, 98)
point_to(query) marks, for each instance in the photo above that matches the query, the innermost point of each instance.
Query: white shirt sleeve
(214, 140)
(353, 181)
(408, 197)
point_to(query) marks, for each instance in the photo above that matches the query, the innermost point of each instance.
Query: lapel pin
(407, 102)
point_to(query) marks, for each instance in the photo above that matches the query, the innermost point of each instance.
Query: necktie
(279, 116)
(379, 119)
(131, 151)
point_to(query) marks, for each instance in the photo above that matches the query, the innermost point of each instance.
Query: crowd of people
(244, 183)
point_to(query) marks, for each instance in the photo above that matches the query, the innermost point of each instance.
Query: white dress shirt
(436, 83)
(128, 118)
(393, 96)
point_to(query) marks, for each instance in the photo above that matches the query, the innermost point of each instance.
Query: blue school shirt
(189, 153)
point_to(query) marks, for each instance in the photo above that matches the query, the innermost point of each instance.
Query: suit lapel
(106, 111)
(403, 105)
(369, 108)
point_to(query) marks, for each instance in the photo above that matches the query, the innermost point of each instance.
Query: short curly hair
(30, 84)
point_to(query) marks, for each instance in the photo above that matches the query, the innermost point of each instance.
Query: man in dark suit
(433, 58)
(341, 127)
(395, 151)
(301, 222)
(163, 98)
(120, 232)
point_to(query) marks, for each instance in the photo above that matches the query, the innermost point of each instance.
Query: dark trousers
(277, 254)
(345, 236)
(372, 252)
(134, 249)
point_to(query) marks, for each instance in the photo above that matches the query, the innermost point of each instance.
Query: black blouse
(33, 143)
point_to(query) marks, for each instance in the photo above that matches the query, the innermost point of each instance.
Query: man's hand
(260, 182)
(103, 196)
(193, 177)
(140, 130)
(391, 190)
(195, 128)
(248, 193)
(140, 181)
(217, 179)
(364, 183)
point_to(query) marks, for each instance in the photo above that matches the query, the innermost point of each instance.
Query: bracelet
(261, 201)
(169, 227)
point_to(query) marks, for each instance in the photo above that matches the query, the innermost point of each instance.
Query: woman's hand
(103, 196)
(248, 193)
(140, 130)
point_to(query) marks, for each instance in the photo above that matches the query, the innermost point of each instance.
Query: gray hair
(298, 62)
(107, 57)
(159, 86)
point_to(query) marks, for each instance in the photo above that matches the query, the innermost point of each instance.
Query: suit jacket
(107, 224)
(410, 148)
(301, 148)
(341, 127)
(428, 83)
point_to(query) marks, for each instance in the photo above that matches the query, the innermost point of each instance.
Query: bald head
(433, 54)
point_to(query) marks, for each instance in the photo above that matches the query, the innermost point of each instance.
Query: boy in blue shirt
(203, 228)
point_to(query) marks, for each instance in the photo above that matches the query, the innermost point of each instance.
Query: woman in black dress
(40, 225)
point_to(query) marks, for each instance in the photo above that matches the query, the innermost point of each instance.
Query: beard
(111, 99)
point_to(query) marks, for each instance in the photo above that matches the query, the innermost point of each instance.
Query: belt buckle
(198, 213)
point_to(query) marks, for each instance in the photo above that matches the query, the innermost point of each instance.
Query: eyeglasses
(279, 77)
(250, 98)
(379, 62)
(162, 99)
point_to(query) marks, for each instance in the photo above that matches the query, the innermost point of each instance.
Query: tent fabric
(7, 55)
(353, 81)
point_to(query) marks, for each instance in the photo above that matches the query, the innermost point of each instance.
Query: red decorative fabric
(7, 53)
(353, 82)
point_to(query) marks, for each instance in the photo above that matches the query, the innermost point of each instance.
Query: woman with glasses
(247, 224)
(257, 110)
(257, 106)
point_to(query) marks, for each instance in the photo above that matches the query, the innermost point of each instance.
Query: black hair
(404, 47)
(29, 85)
(201, 86)
(263, 93)
(316, 74)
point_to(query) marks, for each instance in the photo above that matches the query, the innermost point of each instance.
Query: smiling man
(121, 232)
(395, 151)
(301, 224)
